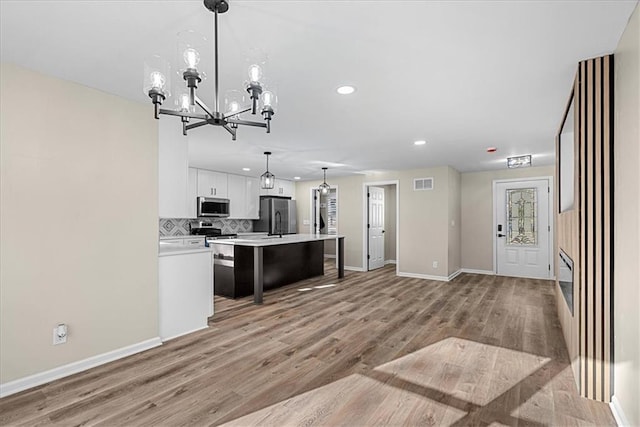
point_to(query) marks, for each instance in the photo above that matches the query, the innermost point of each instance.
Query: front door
(376, 227)
(523, 231)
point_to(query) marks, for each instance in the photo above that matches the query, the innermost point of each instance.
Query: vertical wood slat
(597, 231)
(581, 229)
(607, 149)
(589, 285)
(595, 139)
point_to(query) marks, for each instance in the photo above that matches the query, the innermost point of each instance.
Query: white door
(376, 227)
(523, 232)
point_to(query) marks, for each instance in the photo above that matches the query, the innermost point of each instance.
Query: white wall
(79, 222)
(626, 274)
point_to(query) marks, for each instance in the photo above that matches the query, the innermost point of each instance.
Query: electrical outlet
(435, 264)
(60, 334)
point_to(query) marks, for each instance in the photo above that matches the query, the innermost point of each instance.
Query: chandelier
(157, 86)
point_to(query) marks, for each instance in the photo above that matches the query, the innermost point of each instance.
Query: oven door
(212, 207)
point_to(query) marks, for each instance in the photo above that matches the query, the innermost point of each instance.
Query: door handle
(383, 231)
(501, 235)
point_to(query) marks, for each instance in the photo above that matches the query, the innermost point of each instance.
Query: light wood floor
(374, 349)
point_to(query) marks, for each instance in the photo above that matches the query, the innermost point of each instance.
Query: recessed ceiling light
(420, 142)
(492, 150)
(246, 169)
(296, 177)
(346, 90)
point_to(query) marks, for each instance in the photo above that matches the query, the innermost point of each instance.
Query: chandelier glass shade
(267, 179)
(324, 187)
(193, 112)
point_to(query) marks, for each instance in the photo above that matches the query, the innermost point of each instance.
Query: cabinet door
(173, 164)
(212, 184)
(252, 197)
(287, 188)
(220, 182)
(237, 196)
(205, 183)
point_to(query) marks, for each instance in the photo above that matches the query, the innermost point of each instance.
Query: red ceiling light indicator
(492, 150)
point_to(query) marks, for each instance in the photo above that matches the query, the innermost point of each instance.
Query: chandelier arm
(202, 105)
(181, 114)
(196, 125)
(235, 113)
(231, 131)
(248, 123)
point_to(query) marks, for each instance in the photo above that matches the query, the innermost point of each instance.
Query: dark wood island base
(244, 268)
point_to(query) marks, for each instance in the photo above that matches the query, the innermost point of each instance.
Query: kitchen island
(243, 266)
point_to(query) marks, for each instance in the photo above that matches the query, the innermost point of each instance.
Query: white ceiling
(464, 75)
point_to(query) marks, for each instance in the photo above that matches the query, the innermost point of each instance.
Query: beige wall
(626, 221)
(455, 239)
(349, 213)
(79, 222)
(477, 212)
(423, 233)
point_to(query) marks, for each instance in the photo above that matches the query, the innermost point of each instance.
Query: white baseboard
(350, 268)
(165, 339)
(454, 275)
(618, 413)
(25, 383)
(472, 271)
(423, 276)
(329, 256)
(390, 261)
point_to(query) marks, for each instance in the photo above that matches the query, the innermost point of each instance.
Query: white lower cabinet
(185, 293)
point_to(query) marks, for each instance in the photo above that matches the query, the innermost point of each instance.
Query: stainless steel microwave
(212, 207)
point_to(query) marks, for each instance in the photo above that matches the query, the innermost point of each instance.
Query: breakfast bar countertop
(277, 240)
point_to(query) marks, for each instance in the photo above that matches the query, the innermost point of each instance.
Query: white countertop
(166, 250)
(276, 240)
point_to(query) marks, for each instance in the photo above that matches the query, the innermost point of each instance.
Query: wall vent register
(420, 184)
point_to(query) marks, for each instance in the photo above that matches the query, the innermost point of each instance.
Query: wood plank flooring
(374, 349)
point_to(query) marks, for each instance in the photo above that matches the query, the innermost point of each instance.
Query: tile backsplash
(180, 226)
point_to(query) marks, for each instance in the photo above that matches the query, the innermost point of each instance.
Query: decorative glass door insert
(522, 222)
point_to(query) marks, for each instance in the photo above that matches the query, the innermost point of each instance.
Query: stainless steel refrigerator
(277, 216)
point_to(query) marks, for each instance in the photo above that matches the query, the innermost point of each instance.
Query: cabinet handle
(211, 191)
(215, 191)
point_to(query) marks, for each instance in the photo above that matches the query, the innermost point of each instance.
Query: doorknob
(383, 231)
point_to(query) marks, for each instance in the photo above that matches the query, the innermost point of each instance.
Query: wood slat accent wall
(585, 232)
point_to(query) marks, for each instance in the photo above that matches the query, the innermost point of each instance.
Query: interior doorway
(324, 217)
(523, 228)
(381, 224)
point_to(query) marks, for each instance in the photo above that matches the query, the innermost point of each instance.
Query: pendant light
(324, 187)
(267, 179)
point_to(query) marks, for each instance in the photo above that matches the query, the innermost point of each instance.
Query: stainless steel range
(206, 228)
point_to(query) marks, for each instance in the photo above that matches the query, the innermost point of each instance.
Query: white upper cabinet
(282, 188)
(244, 197)
(212, 184)
(237, 196)
(173, 165)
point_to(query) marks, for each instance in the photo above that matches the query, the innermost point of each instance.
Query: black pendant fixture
(267, 179)
(324, 187)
